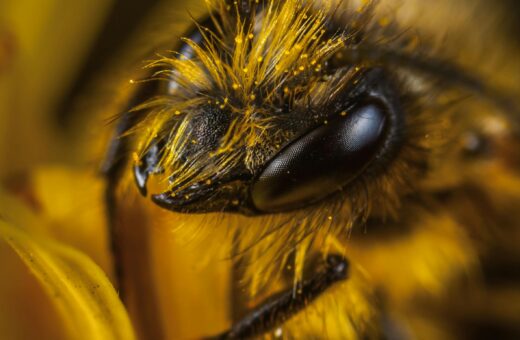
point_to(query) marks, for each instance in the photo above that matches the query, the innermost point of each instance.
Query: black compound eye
(322, 161)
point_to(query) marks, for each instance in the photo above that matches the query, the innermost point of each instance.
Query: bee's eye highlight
(324, 160)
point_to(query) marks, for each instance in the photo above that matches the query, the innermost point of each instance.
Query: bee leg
(237, 272)
(279, 308)
(113, 168)
(131, 280)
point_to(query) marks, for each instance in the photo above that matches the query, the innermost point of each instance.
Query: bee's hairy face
(265, 109)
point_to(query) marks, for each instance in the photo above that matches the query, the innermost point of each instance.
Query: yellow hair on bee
(278, 53)
(410, 230)
(244, 66)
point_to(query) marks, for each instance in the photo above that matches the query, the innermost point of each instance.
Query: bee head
(257, 116)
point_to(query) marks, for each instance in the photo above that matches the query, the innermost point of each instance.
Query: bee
(316, 169)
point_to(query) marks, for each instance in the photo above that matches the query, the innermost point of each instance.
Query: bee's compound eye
(322, 161)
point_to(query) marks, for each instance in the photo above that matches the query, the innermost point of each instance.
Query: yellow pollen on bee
(135, 156)
(252, 97)
(177, 112)
(301, 68)
(329, 218)
(131, 81)
(226, 100)
(363, 5)
(235, 86)
(238, 40)
(251, 36)
(343, 113)
(259, 59)
(383, 22)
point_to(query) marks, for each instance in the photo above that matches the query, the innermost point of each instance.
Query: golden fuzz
(244, 67)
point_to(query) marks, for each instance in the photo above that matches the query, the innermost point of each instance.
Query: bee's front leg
(279, 308)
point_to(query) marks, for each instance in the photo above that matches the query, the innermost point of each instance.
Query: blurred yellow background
(42, 47)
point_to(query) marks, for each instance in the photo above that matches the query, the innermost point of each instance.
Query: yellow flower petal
(81, 291)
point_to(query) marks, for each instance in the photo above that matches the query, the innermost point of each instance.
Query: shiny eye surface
(323, 161)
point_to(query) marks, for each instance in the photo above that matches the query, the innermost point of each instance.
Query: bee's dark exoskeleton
(325, 155)
(279, 308)
(324, 158)
(331, 146)
(360, 131)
